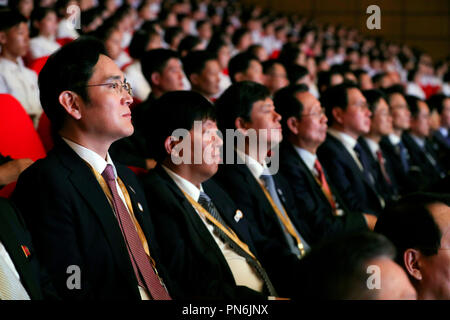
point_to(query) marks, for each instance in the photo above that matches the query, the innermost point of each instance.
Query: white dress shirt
(133, 74)
(22, 83)
(308, 158)
(66, 30)
(348, 142)
(42, 47)
(373, 146)
(243, 273)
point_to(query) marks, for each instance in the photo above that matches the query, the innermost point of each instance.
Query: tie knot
(108, 173)
(204, 198)
(357, 148)
(318, 166)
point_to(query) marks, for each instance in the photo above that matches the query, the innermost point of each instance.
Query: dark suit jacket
(431, 173)
(189, 251)
(272, 249)
(443, 149)
(312, 202)
(14, 235)
(72, 223)
(345, 175)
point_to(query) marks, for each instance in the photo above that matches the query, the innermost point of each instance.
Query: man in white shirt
(15, 78)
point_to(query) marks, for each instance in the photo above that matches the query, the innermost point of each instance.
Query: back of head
(237, 101)
(69, 68)
(155, 61)
(337, 268)
(173, 111)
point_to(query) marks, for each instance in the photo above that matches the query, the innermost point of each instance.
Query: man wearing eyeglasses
(304, 127)
(87, 215)
(341, 154)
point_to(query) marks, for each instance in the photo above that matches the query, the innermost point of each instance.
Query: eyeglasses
(315, 114)
(118, 86)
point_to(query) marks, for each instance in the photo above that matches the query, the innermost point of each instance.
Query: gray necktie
(206, 202)
(10, 286)
(270, 186)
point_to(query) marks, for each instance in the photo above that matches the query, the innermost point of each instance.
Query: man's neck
(345, 130)
(397, 132)
(97, 145)
(256, 153)
(312, 148)
(184, 171)
(8, 56)
(373, 137)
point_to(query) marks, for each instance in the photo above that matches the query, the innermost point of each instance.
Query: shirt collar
(307, 157)
(254, 166)
(91, 157)
(185, 185)
(18, 64)
(373, 146)
(348, 141)
(394, 139)
(444, 131)
(419, 141)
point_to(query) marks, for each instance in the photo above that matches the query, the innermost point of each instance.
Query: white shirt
(254, 166)
(419, 141)
(22, 83)
(43, 47)
(66, 30)
(123, 59)
(373, 146)
(224, 83)
(415, 90)
(308, 158)
(242, 272)
(5, 256)
(133, 74)
(394, 139)
(348, 142)
(443, 131)
(99, 164)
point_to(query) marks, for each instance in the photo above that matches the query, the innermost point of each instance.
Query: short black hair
(269, 65)
(337, 268)
(238, 34)
(413, 105)
(195, 61)
(171, 33)
(10, 18)
(69, 68)
(373, 97)
(287, 105)
(240, 63)
(436, 102)
(155, 61)
(336, 96)
(408, 223)
(188, 43)
(139, 42)
(394, 89)
(296, 72)
(37, 15)
(105, 31)
(174, 110)
(237, 101)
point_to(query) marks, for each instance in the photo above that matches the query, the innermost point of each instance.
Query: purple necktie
(143, 269)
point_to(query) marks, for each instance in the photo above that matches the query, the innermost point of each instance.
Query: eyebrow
(117, 77)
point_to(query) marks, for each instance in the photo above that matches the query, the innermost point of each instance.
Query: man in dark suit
(19, 266)
(259, 190)
(205, 241)
(419, 146)
(342, 155)
(304, 127)
(163, 71)
(91, 230)
(441, 137)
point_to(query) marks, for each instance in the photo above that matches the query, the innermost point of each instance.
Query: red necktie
(382, 167)
(324, 184)
(143, 269)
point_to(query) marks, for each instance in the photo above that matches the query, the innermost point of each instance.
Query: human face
(113, 44)
(276, 78)
(205, 31)
(394, 283)
(207, 82)
(223, 56)
(445, 114)
(254, 72)
(210, 141)
(401, 115)
(106, 116)
(420, 124)
(356, 118)
(49, 25)
(381, 123)
(171, 78)
(264, 117)
(25, 7)
(365, 82)
(435, 269)
(312, 126)
(15, 41)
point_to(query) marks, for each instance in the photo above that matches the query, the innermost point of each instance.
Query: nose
(276, 116)
(127, 98)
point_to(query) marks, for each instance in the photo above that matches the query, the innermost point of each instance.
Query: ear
(155, 78)
(2, 37)
(193, 78)
(292, 124)
(170, 143)
(411, 259)
(338, 113)
(239, 77)
(241, 125)
(70, 101)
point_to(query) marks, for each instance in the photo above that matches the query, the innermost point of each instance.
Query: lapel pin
(238, 216)
(140, 207)
(26, 251)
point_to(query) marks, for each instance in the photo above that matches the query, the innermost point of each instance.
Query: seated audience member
(44, 25)
(16, 79)
(202, 70)
(245, 67)
(364, 80)
(241, 41)
(221, 49)
(304, 127)
(163, 70)
(342, 156)
(258, 51)
(380, 126)
(173, 37)
(21, 277)
(419, 227)
(442, 136)
(11, 169)
(143, 40)
(88, 211)
(188, 44)
(205, 249)
(356, 266)
(24, 7)
(382, 81)
(204, 31)
(65, 29)
(326, 79)
(416, 140)
(413, 86)
(275, 76)
(262, 194)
